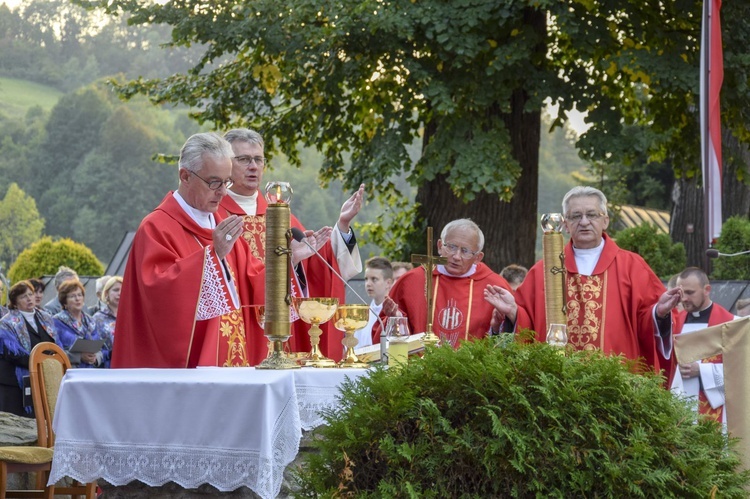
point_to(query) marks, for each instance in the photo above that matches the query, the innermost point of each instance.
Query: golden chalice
(349, 318)
(316, 311)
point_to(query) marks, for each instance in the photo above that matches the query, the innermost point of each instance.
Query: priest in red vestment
(704, 380)
(461, 313)
(615, 302)
(189, 273)
(314, 278)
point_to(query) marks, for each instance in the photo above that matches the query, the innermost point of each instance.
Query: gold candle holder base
(278, 359)
(430, 338)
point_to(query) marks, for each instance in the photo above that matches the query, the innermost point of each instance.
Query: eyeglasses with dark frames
(215, 185)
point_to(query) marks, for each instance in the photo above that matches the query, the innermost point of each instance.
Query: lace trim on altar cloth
(312, 401)
(188, 466)
(213, 301)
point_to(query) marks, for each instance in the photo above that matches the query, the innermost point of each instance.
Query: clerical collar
(587, 258)
(700, 317)
(248, 203)
(442, 270)
(202, 218)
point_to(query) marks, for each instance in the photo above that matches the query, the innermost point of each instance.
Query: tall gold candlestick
(429, 261)
(554, 278)
(277, 326)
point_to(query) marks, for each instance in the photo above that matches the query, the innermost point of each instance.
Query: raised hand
(317, 239)
(502, 300)
(667, 301)
(226, 234)
(350, 208)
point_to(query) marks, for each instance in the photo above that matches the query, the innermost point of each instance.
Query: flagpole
(705, 137)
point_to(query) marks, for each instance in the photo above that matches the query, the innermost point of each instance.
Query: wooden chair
(47, 366)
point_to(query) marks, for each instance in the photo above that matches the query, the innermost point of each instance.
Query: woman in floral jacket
(73, 323)
(20, 330)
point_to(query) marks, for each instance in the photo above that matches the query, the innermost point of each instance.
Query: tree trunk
(687, 221)
(735, 196)
(509, 228)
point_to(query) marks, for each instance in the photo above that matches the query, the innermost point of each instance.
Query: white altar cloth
(229, 427)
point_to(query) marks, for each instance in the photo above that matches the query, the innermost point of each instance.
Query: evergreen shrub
(664, 257)
(735, 237)
(45, 256)
(517, 420)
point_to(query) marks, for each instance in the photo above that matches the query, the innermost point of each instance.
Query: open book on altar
(371, 353)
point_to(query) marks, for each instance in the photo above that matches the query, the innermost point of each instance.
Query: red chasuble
(461, 312)
(610, 310)
(321, 282)
(174, 295)
(719, 315)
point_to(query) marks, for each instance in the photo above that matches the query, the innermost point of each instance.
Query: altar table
(228, 427)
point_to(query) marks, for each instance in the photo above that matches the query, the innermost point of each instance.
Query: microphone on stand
(714, 253)
(299, 236)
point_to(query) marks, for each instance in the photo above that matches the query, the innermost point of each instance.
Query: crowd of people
(196, 274)
(63, 320)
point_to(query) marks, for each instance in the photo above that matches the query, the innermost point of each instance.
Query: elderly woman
(72, 323)
(20, 330)
(105, 317)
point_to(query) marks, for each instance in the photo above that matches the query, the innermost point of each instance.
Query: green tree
(45, 256)
(664, 257)
(20, 221)
(735, 238)
(119, 182)
(361, 79)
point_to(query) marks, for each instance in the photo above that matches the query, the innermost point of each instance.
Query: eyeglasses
(215, 185)
(246, 160)
(577, 217)
(466, 253)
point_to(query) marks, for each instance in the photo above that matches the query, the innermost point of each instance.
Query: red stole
(461, 312)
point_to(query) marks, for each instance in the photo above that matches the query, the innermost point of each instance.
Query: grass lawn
(16, 96)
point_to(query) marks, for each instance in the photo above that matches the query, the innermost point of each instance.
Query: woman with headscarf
(20, 330)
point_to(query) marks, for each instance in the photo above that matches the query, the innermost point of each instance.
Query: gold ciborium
(316, 311)
(349, 318)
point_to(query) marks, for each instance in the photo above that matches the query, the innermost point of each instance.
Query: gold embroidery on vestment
(586, 308)
(255, 235)
(232, 330)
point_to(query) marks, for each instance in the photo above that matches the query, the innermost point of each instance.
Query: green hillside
(16, 96)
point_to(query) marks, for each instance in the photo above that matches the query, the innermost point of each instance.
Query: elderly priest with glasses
(615, 302)
(188, 273)
(460, 311)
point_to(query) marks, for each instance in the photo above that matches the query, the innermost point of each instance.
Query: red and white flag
(712, 75)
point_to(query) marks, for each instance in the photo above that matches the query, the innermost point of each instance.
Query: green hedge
(664, 257)
(517, 421)
(735, 237)
(45, 256)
